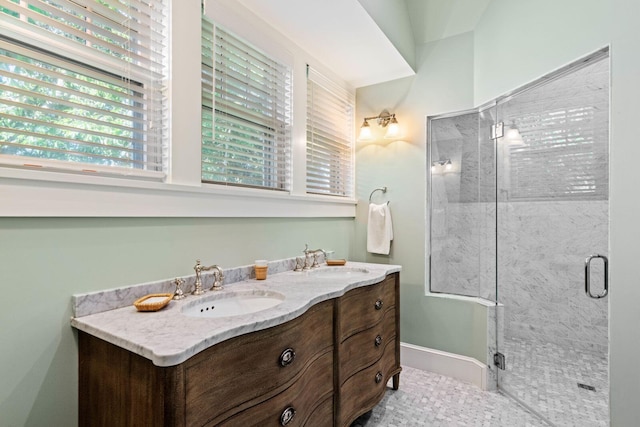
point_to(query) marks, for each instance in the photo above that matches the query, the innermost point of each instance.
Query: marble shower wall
(463, 253)
(541, 251)
(462, 223)
(553, 210)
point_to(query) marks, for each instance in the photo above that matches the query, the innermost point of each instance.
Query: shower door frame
(495, 105)
(601, 54)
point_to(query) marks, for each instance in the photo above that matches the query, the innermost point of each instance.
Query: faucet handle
(307, 263)
(218, 278)
(178, 294)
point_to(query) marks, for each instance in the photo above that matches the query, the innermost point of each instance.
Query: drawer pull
(378, 304)
(378, 341)
(287, 356)
(287, 416)
(378, 377)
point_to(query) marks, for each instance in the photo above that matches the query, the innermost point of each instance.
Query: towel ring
(383, 189)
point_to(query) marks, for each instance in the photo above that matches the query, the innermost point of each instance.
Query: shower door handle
(587, 276)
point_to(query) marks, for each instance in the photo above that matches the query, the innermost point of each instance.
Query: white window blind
(330, 129)
(81, 84)
(246, 113)
(566, 151)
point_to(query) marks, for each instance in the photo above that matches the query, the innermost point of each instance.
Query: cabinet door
(362, 307)
(309, 401)
(362, 391)
(364, 348)
(244, 371)
(368, 347)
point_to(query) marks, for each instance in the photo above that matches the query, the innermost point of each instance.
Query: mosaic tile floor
(428, 399)
(546, 378)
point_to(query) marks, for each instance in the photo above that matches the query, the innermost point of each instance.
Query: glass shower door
(552, 214)
(462, 228)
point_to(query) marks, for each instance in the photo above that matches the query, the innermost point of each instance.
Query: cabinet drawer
(364, 348)
(309, 401)
(323, 415)
(362, 307)
(239, 373)
(362, 391)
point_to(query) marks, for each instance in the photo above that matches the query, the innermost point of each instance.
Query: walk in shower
(518, 200)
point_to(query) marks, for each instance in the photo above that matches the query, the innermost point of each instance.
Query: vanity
(322, 357)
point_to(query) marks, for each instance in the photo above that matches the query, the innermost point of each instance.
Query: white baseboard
(452, 365)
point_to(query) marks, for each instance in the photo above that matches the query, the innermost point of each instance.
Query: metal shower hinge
(497, 130)
(587, 387)
(499, 361)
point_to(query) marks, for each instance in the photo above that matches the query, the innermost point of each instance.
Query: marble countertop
(168, 337)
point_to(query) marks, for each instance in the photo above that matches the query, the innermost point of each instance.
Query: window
(246, 113)
(565, 154)
(75, 102)
(330, 111)
(81, 85)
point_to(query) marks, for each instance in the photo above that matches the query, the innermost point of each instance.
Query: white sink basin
(338, 272)
(233, 304)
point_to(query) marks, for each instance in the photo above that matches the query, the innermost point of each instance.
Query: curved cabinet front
(361, 308)
(324, 368)
(361, 392)
(297, 405)
(363, 349)
(235, 374)
(367, 347)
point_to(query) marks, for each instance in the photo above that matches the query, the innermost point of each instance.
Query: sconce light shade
(436, 167)
(513, 137)
(384, 119)
(365, 132)
(393, 129)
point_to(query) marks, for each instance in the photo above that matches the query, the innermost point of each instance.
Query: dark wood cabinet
(324, 368)
(367, 347)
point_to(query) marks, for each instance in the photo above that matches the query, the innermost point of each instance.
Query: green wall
(45, 261)
(444, 82)
(516, 42)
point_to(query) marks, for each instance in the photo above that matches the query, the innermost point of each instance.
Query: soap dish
(152, 302)
(336, 261)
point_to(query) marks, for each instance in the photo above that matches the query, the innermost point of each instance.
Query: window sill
(30, 193)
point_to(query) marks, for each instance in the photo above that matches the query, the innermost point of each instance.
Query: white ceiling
(437, 19)
(340, 34)
(346, 38)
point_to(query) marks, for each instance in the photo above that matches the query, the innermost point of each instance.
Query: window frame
(41, 193)
(231, 122)
(332, 156)
(84, 63)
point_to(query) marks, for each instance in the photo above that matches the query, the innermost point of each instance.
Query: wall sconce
(384, 119)
(446, 163)
(513, 137)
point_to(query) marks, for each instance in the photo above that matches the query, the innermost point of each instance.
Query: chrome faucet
(313, 252)
(218, 278)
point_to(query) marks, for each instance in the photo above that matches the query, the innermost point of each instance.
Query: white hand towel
(379, 229)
